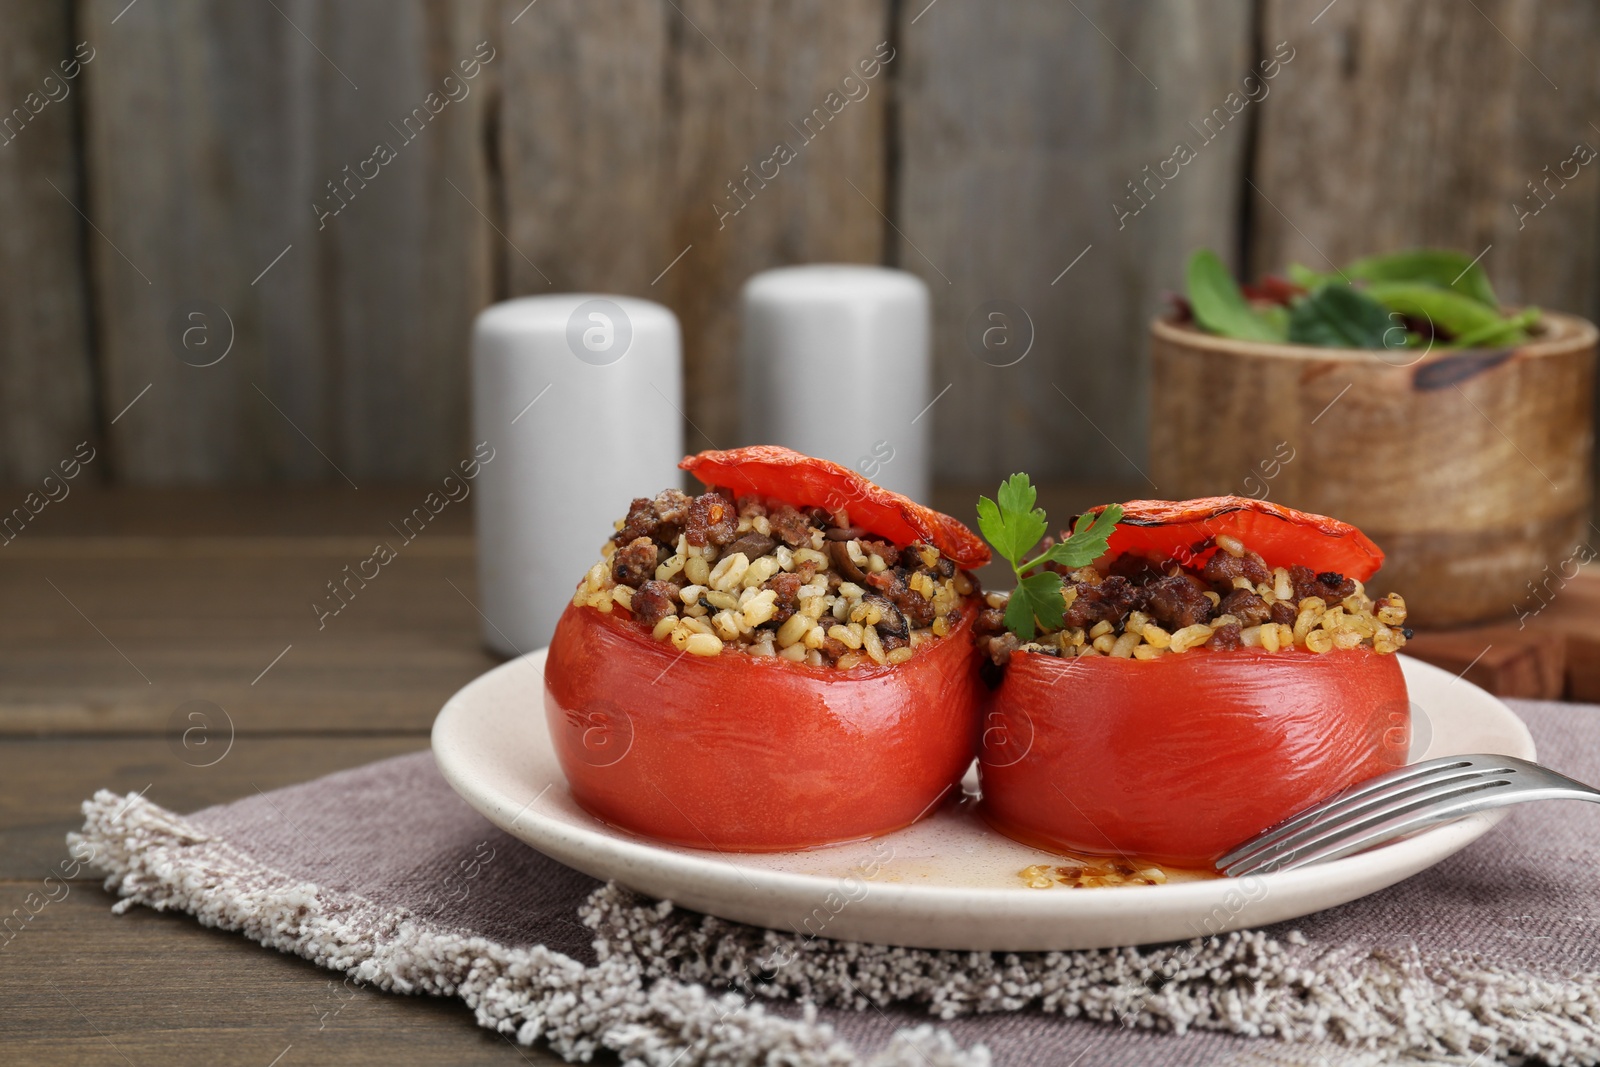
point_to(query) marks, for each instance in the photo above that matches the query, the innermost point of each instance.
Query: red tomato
(805, 481)
(755, 754)
(1181, 758)
(1183, 529)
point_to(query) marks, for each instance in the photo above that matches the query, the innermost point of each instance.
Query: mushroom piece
(840, 551)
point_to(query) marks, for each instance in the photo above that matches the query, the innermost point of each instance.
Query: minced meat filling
(1144, 610)
(711, 575)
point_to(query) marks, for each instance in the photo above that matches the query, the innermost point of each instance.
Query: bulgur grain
(845, 636)
(1131, 602)
(704, 645)
(774, 588)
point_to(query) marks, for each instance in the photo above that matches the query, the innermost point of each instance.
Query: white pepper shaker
(835, 363)
(580, 395)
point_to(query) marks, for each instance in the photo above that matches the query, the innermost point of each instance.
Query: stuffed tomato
(781, 662)
(1220, 668)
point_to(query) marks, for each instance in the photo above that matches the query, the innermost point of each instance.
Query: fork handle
(1384, 832)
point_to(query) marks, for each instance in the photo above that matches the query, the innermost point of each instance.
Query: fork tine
(1345, 810)
(1352, 795)
(1337, 828)
(1488, 794)
(1371, 790)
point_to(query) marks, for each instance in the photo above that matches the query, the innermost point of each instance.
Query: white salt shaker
(580, 395)
(835, 363)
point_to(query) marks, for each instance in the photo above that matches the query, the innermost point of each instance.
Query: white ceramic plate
(947, 882)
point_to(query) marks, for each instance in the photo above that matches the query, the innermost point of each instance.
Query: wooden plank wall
(1424, 123)
(1023, 127)
(622, 127)
(46, 396)
(1000, 146)
(216, 136)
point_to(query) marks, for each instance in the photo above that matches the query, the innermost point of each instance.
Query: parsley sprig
(1013, 526)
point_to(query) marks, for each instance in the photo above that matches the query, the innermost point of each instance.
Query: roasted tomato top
(1186, 530)
(1222, 573)
(783, 474)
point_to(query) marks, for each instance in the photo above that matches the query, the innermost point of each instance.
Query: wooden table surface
(121, 606)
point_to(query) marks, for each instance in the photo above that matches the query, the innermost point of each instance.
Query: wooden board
(1021, 125)
(46, 399)
(1549, 649)
(1423, 123)
(1570, 611)
(596, 147)
(208, 161)
(1502, 659)
(505, 193)
(115, 514)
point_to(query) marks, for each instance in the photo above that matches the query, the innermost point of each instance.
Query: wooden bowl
(1471, 469)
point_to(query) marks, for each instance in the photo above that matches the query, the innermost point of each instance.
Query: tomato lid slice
(1181, 529)
(805, 481)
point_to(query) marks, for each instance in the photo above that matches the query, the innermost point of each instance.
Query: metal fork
(1398, 803)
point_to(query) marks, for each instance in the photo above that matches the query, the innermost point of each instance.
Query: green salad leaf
(1218, 303)
(1452, 271)
(1336, 315)
(1457, 315)
(1305, 277)
(1375, 302)
(1500, 332)
(1013, 525)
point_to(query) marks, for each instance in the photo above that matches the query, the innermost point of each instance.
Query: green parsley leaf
(1088, 541)
(1013, 525)
(1037, 596)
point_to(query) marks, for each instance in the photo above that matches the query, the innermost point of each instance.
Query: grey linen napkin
(384, 874)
